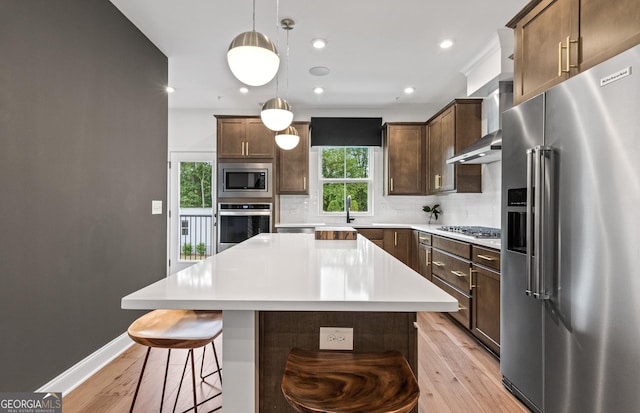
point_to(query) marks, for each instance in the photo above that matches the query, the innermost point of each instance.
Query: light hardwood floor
(456, 375)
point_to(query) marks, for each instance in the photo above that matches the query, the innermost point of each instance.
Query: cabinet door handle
(471, 285)
(242, 148)
(486, 257)
(458, 273)
(427, 262)
(247, 146)
(395, 238)
(567, 50)
(438, 181)
(304, 183)
(438, 263)
(560, 47)
(461, 307)
(391, 184)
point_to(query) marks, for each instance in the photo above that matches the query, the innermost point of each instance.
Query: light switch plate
(334, 338)
(156, 207)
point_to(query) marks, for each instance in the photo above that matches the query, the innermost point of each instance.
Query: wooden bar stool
(177, 329)
(315, 382)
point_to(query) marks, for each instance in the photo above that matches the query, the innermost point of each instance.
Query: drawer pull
(461, 307)
(471, 285)
(486, 257)
(438, 263)
(458, 273)
(425, 239)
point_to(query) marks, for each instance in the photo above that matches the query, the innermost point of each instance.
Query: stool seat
(335, 382)
(176, 328)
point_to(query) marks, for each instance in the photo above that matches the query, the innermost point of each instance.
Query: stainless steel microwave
(245, 180)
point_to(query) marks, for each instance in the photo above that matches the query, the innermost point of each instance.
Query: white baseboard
(81, 371)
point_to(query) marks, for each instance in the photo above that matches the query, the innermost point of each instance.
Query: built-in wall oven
(245, 180)
(239, 222)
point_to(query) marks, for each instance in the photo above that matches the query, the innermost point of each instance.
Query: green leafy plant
(187, 249)
(201, 248)
(433, 211)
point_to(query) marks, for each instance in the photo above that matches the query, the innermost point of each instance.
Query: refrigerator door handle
(538, 172)
(529, 250)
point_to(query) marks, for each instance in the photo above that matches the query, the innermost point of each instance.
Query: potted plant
(433, 211)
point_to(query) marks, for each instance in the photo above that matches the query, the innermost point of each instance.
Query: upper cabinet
(293, 165)
(557, 39)
(449, 131)
(244, 137)
(404, 152)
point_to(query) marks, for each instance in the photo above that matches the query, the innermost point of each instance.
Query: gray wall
(83, 150)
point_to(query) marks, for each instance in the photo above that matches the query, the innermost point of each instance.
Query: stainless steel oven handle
(529, 223)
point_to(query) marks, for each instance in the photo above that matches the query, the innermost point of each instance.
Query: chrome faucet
(348, 208)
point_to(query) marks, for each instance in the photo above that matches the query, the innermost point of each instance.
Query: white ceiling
(375, 48)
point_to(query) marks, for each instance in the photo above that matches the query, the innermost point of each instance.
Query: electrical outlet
(332, 338)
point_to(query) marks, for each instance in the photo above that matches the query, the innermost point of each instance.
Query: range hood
(485, 150)
(488, 148)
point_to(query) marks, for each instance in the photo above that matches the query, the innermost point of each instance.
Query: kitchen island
(287, 273)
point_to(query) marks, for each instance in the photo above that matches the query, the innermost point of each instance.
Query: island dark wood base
(282, 331)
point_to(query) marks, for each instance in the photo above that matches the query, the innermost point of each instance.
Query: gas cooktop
(476, 232)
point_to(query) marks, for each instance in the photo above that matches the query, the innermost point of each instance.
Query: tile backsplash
(458, 209)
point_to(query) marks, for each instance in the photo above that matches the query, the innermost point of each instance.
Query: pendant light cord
(278, 44)
(287, 91)
(254, 15)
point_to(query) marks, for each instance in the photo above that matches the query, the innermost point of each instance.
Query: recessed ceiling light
(319, 71)
(169, 89)
(319, 43)
(318, 90)
(446, 44)
(244, 90)
(409, 90)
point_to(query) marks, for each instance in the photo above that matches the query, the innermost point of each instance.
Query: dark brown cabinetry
(485, 273)
(404, 164)
(450, 271)
(244, 138)
(422, 257)
(556, 39)
(375, 235)
(293, 165)
(449, 131)
(471, 274)
(397, 242)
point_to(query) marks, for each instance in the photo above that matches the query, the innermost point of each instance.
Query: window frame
(368, 181)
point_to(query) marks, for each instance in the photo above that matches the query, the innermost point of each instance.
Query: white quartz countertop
(433, 229)
(296, 272)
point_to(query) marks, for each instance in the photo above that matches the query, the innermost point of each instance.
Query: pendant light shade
(253, 58)
(287, 139)
(276, 114)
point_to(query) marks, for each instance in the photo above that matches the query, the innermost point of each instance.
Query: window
(345, 171)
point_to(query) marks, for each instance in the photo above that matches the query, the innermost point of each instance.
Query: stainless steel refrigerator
(570, 324)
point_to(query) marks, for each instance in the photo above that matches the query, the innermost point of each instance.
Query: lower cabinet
(396, 241)
(375, 235)
(471, 275)
(486, 307)
(423, 254)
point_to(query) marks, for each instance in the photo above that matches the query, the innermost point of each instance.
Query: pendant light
(276, 113)
(252, 57)
(288, 139)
